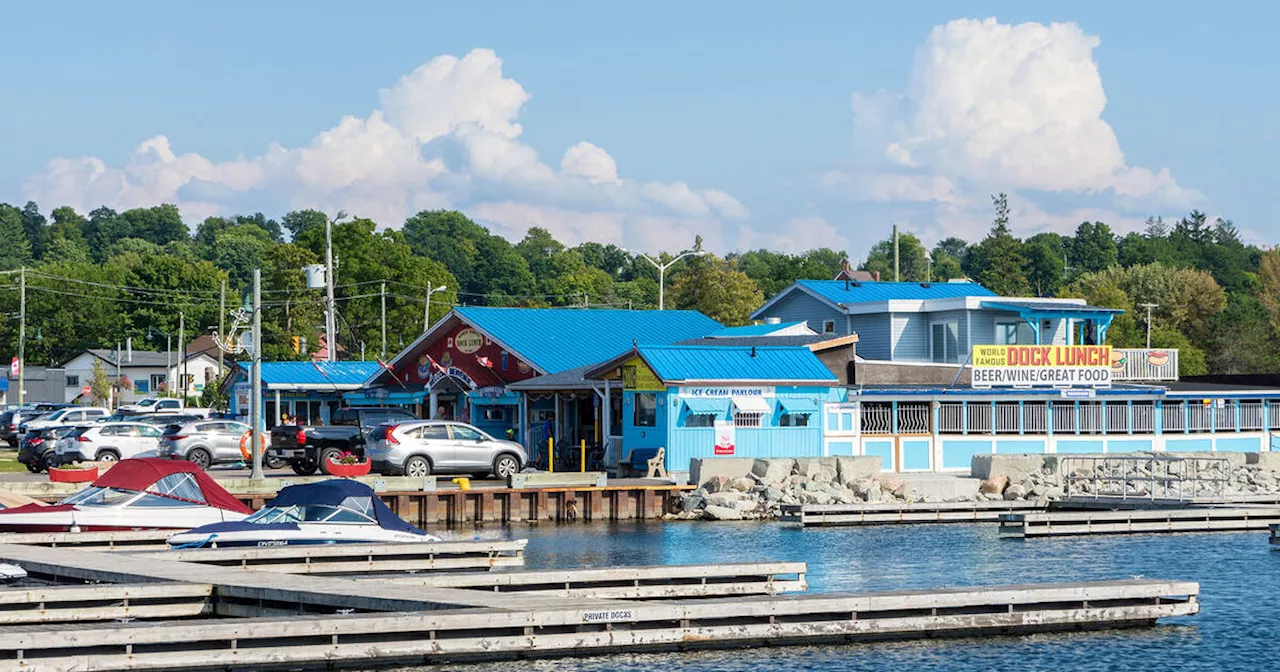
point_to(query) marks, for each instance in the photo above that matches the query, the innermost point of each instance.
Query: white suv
(109, 442)
(73, 415)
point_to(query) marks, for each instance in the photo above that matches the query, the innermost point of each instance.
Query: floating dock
(834, 515)
(1138, 521)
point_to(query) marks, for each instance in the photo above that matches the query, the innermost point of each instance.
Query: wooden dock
(833, 515)
(1138, 521)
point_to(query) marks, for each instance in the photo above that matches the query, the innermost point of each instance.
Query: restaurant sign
(1042, 366)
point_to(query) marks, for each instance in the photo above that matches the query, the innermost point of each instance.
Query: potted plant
(79, 472)
(347, 465)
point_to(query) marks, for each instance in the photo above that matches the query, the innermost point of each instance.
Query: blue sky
(736, 120)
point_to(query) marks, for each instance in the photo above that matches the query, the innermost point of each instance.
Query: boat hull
(306, 535)
(108, 520)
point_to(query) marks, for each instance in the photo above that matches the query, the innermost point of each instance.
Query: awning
(794, 405)
(706, 406)
(751, 404)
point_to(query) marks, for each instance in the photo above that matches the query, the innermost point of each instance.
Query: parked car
(162, 405)
(430, 447)
(208, 442)
(307, 448)
(163, 419)
(38, 446)
(65, 416)
(11, 424)
(110, 442)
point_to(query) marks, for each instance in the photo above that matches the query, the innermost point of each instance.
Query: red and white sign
(725, 436)
(15, 367)
(85, 389)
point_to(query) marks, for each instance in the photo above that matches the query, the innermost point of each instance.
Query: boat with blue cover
(337, 511)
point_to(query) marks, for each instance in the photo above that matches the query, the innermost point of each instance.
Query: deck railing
(1142, 364)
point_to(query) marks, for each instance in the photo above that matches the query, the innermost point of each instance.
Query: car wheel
(200, 457)
(303, 467)
(273, 462)
(417, 467)
(505, 465)
(108, 456)
(33, 468)
(325, 455)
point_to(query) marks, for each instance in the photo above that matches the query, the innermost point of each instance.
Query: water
(1239, 590)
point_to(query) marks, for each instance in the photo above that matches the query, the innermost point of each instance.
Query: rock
(824, 475)
(889, 483)
(1016, 467)
(714, 512)
(994, 485)
(715, 484)
(856, 468)
(1015, 491)
(742, 485)
(726, 498)
(692, 503)
(772, 495)
(815, 498)
(773, 470)
(745, 505)
(992, 497)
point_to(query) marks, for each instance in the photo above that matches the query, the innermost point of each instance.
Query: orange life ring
(246, 440)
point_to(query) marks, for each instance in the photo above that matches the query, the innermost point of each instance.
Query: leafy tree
(713, 286)
(997, 262)
(36, 228)
(1044, 267)
(160, 224)
(1093, 248)
(953, 247)
(240, 249)
(298, 221)
(100, 384)
(1241, 339)
(912, 264)
(15, 251)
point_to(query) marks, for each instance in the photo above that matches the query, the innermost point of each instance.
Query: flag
(484, 361)
(316, 364)
(434, 364)
(15, 367)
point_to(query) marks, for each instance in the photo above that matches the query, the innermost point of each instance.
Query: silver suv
(428, 447)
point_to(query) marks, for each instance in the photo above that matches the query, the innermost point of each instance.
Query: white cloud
(995, 107)
(445, 135)
(798, 235)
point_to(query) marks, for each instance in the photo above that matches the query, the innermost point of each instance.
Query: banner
(724, 437)
(1042, 366)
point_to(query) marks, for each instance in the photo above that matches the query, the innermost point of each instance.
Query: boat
(337, 511)
(135, 494)
(10, 572)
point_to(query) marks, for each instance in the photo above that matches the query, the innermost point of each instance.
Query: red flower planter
(348, 470)
(57, 475)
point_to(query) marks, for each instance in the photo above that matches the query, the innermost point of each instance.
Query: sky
(753, 124)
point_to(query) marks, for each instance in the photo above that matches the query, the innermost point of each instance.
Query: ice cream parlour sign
(725, 392)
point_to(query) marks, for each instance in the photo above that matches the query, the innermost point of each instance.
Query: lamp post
(1148, 306)
(426, 312)
(329, 325)
(662, 270)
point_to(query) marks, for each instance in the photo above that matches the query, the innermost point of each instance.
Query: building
(148, 373)
(837, 352)
(309, 391)
(518, 371)
(706, 400)
(42, 384)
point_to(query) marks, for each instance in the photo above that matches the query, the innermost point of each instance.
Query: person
(442, 413)
(511, 433)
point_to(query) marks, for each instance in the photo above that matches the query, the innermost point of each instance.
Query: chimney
(128, 349)
(875, 275)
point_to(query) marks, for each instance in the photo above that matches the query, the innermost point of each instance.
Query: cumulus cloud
(994, 107)
(445, 135)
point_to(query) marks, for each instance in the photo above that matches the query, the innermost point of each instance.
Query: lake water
(1236, 629)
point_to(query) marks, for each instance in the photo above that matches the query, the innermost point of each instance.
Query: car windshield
(353, 510)
(147, 402)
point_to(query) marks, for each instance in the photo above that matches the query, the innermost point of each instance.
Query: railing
(1144, 477)
(951, 417)
(1141, 364)
(913, 417)
(1008, 417)
(877, 418)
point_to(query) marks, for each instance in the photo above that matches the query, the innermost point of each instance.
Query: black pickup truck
(308, 448)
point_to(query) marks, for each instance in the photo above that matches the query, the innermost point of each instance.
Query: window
(149, 431)
(495, 413)
(463, 433)
(748, 419)
(434, 433)
(794, 420)
(159, 381)
(73, 381)
(944, 341)
(700, 420)
(645, 413)
(828, 326)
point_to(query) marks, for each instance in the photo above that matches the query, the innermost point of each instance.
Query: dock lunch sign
(1042, 366)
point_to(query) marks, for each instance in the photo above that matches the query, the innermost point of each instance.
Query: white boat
(337, 511)
(11, 572)
(136, 494)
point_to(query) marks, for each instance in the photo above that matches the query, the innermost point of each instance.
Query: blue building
(310, 392)
(707, 400)
(921, 322)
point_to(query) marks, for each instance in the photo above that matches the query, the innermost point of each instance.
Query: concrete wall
(872, 372)
(837, 361)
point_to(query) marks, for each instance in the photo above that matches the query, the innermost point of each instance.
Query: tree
(100, 384)
(912, 263)
(1044, 268)
(1269, 285)
(36, 229)
(15, 250)
(1241, 339)
(298, 221)
(997, 262)
(1093, 248)
(711, 285)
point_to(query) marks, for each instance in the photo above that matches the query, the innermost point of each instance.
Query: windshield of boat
(358, 510)
(172, 490)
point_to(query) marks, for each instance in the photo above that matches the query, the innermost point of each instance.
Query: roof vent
(855, 283)
(753, 352)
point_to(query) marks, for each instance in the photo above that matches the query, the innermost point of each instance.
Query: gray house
(936, 323)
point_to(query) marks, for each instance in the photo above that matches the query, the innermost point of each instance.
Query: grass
(9, 461)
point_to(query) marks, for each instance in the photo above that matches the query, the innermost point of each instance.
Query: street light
(662, 270)
(1148, 306)
(426, 312)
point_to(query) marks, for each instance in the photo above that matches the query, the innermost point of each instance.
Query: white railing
(1251, 415)
(1141, 364)
(951, 417)
(913, 417)
(1144, 415)
(1174, 416)
(1008, 417)
(1199, 417)
(979, 417)
(1226, 414)
(1274, 411)
(877, 418)
(1035, 417)
(1064, 417)
(1091, 421)
(1117, 418)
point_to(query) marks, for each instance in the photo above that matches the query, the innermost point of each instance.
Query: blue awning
(798, 405)
(707, 406)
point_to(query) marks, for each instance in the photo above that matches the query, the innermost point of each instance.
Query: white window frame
(163, 379)
(73, 381)
(1019, 327)
(748, 418)
(955, 359)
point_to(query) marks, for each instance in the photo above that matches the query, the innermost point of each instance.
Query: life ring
(246, 440)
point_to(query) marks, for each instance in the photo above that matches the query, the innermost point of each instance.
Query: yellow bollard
(551, 456)
(584, 456)
(462, 483)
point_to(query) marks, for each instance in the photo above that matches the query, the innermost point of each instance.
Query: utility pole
(1148, 306)
(222, 312)
(22, 335)
(329, 326)
(896, 277)
(662, 271)
(426, 312)
(255, 397)
(182, 355)
(383, 293)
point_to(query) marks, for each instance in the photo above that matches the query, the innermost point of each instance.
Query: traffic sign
(85, 389)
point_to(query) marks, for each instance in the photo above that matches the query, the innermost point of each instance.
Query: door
(841, 429)
(227, 440)
(147, 439)
(471, 448)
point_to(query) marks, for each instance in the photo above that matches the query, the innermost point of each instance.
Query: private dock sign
(1042, 366)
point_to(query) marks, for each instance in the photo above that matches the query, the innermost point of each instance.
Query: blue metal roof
(559, 339)
(752, 330)
(1049, 307)
(839, 292)
(716, 363)
(341, 374)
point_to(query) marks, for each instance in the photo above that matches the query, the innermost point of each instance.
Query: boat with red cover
(136, 494)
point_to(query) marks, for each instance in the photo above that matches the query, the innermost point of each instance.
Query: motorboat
(337, 511)
(135, 494)
(10, 572)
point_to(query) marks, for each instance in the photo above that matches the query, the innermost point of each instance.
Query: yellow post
(551, 455)
(584, 456)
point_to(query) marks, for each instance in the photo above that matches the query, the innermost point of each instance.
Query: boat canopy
(342, 493)
(175, 479)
